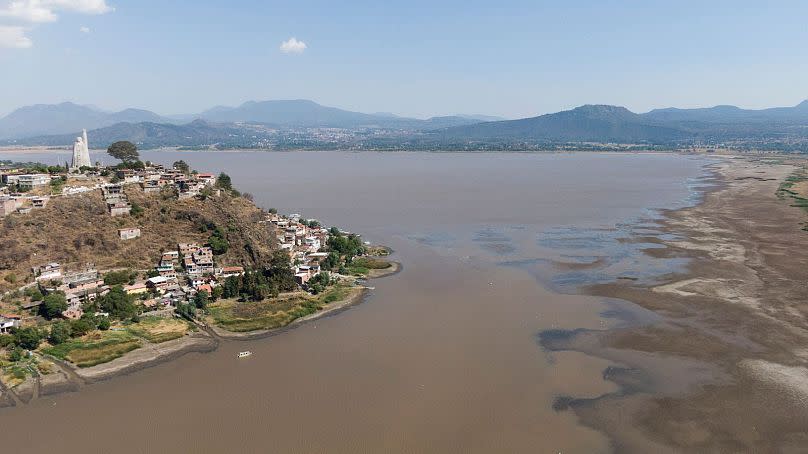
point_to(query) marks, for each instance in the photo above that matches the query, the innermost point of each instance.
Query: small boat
(244, 354)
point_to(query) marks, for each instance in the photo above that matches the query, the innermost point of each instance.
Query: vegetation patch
(244, 316)
(95, 348)
(157, 330)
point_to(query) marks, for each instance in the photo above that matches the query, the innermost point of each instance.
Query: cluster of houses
(21, 202)
(116, 200)
(156, 178)
(302, 242)
(152, 179)
(79, 287)
(181, 274)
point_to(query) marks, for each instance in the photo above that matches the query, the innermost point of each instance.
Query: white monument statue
(81, 152)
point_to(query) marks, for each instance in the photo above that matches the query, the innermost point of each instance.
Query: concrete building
(129, 233)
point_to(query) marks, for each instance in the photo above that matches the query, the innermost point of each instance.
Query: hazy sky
(420, 58)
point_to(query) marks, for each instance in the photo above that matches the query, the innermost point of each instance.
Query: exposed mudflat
(733, 324)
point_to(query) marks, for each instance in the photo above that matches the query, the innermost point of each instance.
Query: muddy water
(443, 357)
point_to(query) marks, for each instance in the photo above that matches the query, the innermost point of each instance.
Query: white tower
(81, 152)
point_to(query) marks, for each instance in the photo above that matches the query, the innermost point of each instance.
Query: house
(28, 181)
(302, 277)
(7, 206)
(207, 178)
(136, 289)
(170, 256)
(229, 271)
(47, 272)
(8, 322)
(205, 288)
(119, 208)
(129, 233)
(166, 270)
(157, 282)
(88, 274)
(39, 202)
(186, 249)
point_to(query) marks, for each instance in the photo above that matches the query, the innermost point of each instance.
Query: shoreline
(358, 296)
(732, 326)
(70, 378)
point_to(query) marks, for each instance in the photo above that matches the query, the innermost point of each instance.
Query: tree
(218, 241)
(201, 299)
(60, 332)
(27, 338)
(81, 327)
(117, 303)
(182, 166)
(53, 305)
(104, 324)
(224, 182)
(119, 277)
(124, 150)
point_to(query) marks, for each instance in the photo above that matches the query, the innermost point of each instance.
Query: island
(106, 270)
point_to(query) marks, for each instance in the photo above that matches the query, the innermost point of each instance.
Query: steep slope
(77, 230)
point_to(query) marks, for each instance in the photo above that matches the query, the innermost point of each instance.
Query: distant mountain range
(45, 119)
(305, 124)
(612, 124)
(70, 118)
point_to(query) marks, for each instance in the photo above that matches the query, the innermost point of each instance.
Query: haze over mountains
(285, 124)
(69, 118)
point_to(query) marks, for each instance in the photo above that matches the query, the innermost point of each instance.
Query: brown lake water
(443, 356)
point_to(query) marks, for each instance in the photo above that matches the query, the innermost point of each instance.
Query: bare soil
(735, 327)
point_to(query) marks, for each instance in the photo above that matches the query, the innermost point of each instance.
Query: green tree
(28, 338)
(104, 323)
(201, 299)
(218, 242)
(60, 332)
(124, 150)
(182, 166)
(117, 303)
(53, 305)
(224, 182)
(81, 327)
(119, 277)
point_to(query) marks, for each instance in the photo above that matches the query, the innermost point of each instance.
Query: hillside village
(55, 309)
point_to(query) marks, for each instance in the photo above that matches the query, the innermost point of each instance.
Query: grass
(95, 348)
(272, 313)
(362, 266)
(787, 189)
(157, 330)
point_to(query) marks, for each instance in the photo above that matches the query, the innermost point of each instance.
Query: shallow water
(443, 357)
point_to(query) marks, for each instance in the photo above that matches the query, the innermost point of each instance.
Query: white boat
(244, 354)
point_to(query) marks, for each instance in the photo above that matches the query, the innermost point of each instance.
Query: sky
(416, 58)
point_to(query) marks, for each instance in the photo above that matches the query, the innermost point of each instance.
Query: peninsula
(105, 270)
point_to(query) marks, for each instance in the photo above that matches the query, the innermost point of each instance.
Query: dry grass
(273, 313)
(95, 348)
(77, 229)
(157, 330)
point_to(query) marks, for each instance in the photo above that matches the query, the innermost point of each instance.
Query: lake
(441, 357)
